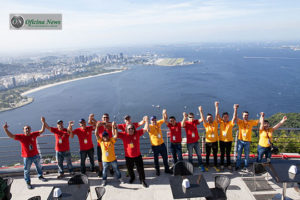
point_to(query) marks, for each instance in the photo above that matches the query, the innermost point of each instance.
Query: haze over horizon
(92, 23)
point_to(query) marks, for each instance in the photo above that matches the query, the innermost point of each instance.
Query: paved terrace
(159, 188)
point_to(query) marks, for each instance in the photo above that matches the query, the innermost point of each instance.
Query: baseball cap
(105, 134)
(81, 120)
(59, 121)
(127, 117)
(153, 117)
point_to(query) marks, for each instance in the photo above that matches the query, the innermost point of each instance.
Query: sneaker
(60, 176)
(157, 172)
(217, 169)
(43, 179)
(206, 168)
(202, 168)
(111, 171)
(131, 180)
(104, 182)
(168, 171)
(245, 170)
(121, 181)
(29, 186)
(229, 167)
(144, 184)
(222, 167)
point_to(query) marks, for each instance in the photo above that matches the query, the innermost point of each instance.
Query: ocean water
(257, 78)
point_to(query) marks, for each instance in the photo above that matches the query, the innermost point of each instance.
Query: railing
(10, 151)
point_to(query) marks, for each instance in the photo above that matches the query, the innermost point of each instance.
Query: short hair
(208, 114)
(191, 113)
(245, 112)
(106, 114)
(172, 117)
(266, 121)
(225, 113)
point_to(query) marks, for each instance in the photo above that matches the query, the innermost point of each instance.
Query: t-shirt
(28, 144)
(84, 137)
(123, 126)
(131, 143)
(226, 130)
(175, 132)
(245, 129)
(211, 131)
(155, 134)
(263, 137)
(61, 139)
(108, 150)
(191, 130)
(101, 129)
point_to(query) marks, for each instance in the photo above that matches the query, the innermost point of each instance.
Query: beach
(63, 82)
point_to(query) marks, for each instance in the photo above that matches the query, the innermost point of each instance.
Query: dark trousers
(162, 150)
(214, 147)
(176, 149)
(225, 147)
(83, 155)
(138, 161)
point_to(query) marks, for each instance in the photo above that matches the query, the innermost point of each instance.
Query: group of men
(107, 133)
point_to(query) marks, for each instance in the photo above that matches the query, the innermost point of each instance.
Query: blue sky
(99, 23)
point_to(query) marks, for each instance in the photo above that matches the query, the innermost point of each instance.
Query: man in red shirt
(30, 152)
(175, 136)
(131, 143)
(84, 134)
(104, 126)
(127, 120)
(62, 147)
(192, 137)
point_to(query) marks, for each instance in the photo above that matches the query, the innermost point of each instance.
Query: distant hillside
(292, 122)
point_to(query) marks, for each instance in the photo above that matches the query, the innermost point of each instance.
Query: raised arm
(183, 119)
(47, 126)
(217, 115)
(114, 130)
(280, 123)
(92, 121)
(201, 114)
(43, 125)
(8, 133)
(261, 121)
(146, 126)
(235, 107)
(142, 122)
(96, 130)
(70, 131)
(165, 116)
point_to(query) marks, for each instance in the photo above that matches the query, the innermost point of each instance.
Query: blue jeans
(176, 149)
(114, 165)
(27, 165)
(162, 150)
(261, 151)
(246, 146)
(83, 155)
(60, 155)
(197, 149)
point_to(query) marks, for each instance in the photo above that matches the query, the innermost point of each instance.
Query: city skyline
(92, 24)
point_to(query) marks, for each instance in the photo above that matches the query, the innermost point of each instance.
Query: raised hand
(5, 126)
(43, 119)
(71, 123)
(284, 118)
(217, 104)
(262, 114)
(236, 106)
(200, 108)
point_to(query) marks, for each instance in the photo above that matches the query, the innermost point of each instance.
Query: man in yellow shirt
(225, 138)
(244, 139)
(107, 145)
(211, 136)
(265, 137)
(158, 145)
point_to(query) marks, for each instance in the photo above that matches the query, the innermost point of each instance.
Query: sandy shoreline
(63, 82)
